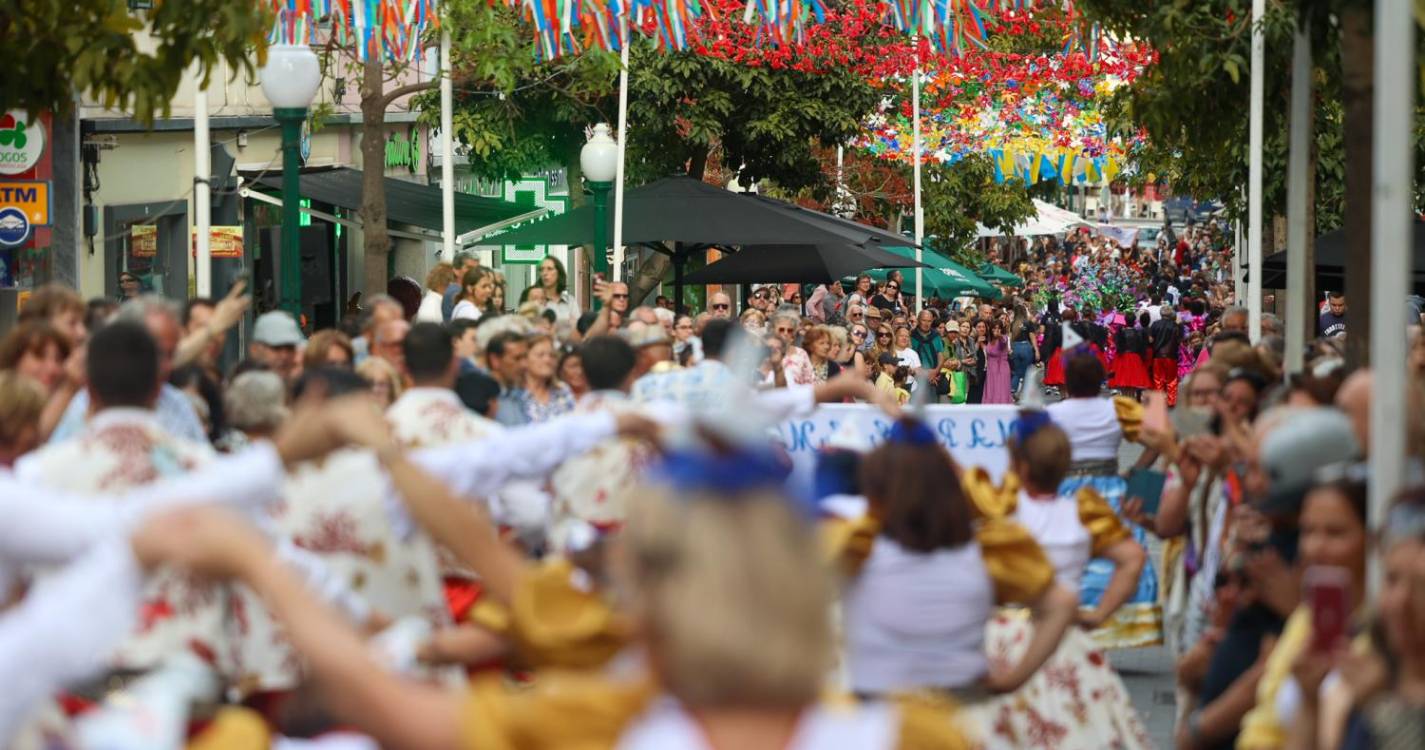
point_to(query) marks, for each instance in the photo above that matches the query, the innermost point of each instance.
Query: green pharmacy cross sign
(532, 194)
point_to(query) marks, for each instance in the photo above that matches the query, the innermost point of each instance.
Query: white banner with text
(974, 435)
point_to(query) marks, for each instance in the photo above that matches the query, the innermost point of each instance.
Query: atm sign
(30, 197)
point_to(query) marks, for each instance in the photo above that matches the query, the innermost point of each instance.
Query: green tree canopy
(52, 50)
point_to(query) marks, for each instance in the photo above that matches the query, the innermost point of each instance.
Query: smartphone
(1155, 411)
(1146, 485)
(1326, 593)
(1192, 422)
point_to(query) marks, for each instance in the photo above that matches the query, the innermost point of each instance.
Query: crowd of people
(463, 521)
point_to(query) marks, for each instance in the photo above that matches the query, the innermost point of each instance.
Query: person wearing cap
(275, 342)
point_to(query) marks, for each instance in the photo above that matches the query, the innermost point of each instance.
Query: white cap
(277, 328)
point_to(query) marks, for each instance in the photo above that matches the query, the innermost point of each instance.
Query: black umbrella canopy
(682, 209)
(854, 231)
(797, 263)
(1331, 261)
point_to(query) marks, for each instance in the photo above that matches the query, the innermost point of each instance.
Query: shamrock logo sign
(12, 132)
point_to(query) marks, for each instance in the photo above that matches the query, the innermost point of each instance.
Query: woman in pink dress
(997, 390)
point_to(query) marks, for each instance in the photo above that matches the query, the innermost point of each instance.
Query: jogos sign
(22, 142)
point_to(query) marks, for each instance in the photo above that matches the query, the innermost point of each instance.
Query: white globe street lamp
(290, 80)
(599, 162)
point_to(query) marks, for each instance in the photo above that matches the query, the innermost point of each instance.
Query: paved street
(1148, 672)
(1148, 675)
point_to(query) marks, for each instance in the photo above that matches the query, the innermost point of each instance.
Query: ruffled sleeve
(561, 712)
(1104, 526)
(987, 499)
(554, 622)
(929, 723)
(847, 543)
(1014, 560)
(1130, 416)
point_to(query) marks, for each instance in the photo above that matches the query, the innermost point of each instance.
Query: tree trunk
(1357, 94)
(650, 273)
(377, 242)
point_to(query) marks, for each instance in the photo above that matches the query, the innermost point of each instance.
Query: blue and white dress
(1097, 427)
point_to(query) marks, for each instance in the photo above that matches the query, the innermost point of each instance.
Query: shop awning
(406, 202)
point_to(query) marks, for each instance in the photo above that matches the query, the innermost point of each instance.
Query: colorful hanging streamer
(390, 29)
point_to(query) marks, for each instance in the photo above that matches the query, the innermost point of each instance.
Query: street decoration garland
(1036, 115)
(390, 29)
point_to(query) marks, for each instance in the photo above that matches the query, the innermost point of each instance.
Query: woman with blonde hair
(439, 278)
(754, 321)
(386, 383)
(720, 576)
(21, 403)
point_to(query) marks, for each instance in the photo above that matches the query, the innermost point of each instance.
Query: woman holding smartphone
(1332, 551)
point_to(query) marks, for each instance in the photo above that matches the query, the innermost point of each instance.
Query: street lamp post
(289, 80)
(599, 161)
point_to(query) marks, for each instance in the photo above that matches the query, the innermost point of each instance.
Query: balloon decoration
(391, 29)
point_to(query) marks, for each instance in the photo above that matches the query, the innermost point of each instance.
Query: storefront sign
(22, 142)
(532, 193)
(974, 435)
(14, 226)
(30, 197)
(223, 242)
(143, 241)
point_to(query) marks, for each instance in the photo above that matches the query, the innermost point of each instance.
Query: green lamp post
(289, 81)
(599, 161)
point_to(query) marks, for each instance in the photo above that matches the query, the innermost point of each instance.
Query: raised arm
(45, 525)
(464, 528)
(481, 467)
(357, 690)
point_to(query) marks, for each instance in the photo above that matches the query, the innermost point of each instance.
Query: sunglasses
(721, 306)
(883, 335)
(781, 329)
(620, 296)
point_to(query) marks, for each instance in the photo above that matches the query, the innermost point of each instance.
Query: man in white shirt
(124, 445)
(593, 487)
